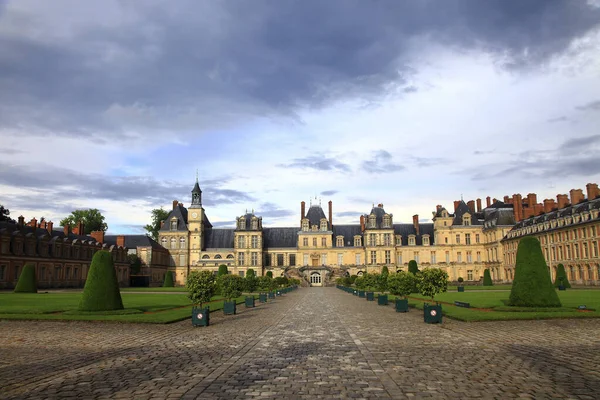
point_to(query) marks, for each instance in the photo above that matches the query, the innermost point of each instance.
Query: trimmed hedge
(168, 279)
(101, 290)
(222, 270)
(532, 286)
(487, 278)
(413, 267)
(561, 273)
(27, 282)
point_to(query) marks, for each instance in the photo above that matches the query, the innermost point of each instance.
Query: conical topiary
(487, 278)
(532, 286)
(27, 282)
(561, 277)
(168, 279)
(101, 290)
(413, 267)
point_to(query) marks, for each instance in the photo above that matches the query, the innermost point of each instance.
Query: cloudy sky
(115, 105)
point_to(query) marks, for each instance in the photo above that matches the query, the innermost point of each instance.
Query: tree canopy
(158, 215)
(4, 214)
(92, 219)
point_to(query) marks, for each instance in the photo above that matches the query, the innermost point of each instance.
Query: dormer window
(398, 240)
(357, 241)
(411, 240)
(254, 223)
(372, 221)
(444, 215)
(426, 240)
(242, 223)
(340, 241)
(174, 224)
(387, 221)
(305, 225)
(466, 220)
(323, 224)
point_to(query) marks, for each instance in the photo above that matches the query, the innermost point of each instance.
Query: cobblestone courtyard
(312, 343)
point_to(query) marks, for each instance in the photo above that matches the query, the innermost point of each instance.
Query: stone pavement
(311, 343)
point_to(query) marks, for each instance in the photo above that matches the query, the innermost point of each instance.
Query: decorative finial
(196, 175)
(252, 211)
(461, 197)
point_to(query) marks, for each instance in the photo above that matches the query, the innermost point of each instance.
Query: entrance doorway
(315, 279)
(315, 262)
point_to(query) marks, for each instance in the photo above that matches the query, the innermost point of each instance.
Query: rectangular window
(416, 256)
(305, 259)
(314, 242)
(478, 256)
(254, 259)
(373, 257)
(75, 273)
(470, 275)
(554, 253)
(446, 240)
(595, 249)
(254, 241)
(324, 242)
(182, 260)
(387, 239)
(447, 257)
(292, 260)
(340, 260)
(357, 242)
(68, 273)
(340, 242)
(16, 273)
(477, 238)
(280, 261)
(372, 239)
(568, 252)
(469, 257)
(592, 231)
(323, 259)
(585, 250)
(2, 272)
(433, 260)
(398, 240)
(388, 257)
(357, 259)
(240, 258)
(575, 233)
(400, 259)
(241, 242)
(305, 241)
(576, 251)
(467, 238)
(459, 257)
(242, 274)
(457, 239)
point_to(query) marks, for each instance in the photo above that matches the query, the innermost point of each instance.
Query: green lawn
(155, 289)
(139, 307)
(469, 287)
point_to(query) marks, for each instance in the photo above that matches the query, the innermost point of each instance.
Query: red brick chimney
(67, 229)
(175, 202)
(527, 212)
(549, 205)
(531, 200)
(302, 210)
(456, 204)
(562, 200)
(50, 225)
(362, 223)
(518, 207)
(121, 240)
(471, 205)
(331, 213)
(98, 236)
(21, 221)
(416, 223)
(592, 191)
(576, 196)
(42, 223)
(33, 223)
(506, 199)
(538, 209)
(478, 205)
(488, 201)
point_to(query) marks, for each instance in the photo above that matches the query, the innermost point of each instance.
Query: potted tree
(201, 287)
(461, 288)
(430, 282)
(401, 284)
(231, 288)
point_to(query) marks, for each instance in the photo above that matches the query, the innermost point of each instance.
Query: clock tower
(196, 224)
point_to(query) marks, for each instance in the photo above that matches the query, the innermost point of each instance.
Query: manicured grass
(154, 289)
(479, 287)
(139, 307)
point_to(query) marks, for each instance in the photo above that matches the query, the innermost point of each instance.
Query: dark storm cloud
(57, 184)
(381, 163)
(318, 162)
(205, 65)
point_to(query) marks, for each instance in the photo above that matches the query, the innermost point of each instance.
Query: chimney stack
(331, 214)
(576, 196)
(478, 205)
(506, 200)
(517, 207)
(302, 211)
(98, 236)
(471, 205)
(562, 200)
(495, 199)
(50, 225)
(33, 223)
(67, 229)
(549, 205)
(362, 223)
(438, 208)
(488, 201)
(456, 203)
(21, 221)
(592, 191)
(531, 200)
(175, 202)
(416, 223)
(121, 240)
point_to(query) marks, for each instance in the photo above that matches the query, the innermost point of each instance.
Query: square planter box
(249, 301)
(370, 296)
(361, 293)
(229, 307)
(271, 295)
(401, 305)
(461, 288)
(262, 297)
(200, 316)
(432, 313)
(382, 300)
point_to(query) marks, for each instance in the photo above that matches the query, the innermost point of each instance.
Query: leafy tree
(532, 286)
(200, 286)
(250, 282)
(381, 282)
(352, 279)
(92, 219)
(101, 290)
(402, 283)
(385, 271)
(158, 215)
(487, 278)
(250, 272)
(281, 281)
(460, 280)
(413, 267)
(561, 277)
(135, 264)
(432, 281)
(294, 281)
(265, 283)
(4, 215)
(270, 274)
(27, 282)
(222, 270)
(231, 286)
(360, 282)
(168, 279)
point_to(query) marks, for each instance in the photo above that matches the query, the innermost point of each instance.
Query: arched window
(229, 256)
(254, 223)
(205, 257)
(218, 257)
(182, 243)
(305, 225)
(372, 221)
(173, 243)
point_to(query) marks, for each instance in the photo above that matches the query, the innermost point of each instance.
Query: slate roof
(315, 214)
(133, 241)
(248, 217)
(13, 227)
(409, 229)
(181, 213)
(379, 212)
(348, 232)
(461, 210)
(221, 238)
(280, 237)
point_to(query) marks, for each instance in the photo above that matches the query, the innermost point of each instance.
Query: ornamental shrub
(561, 277)
(360, 282)
(231, 286)
(402, 283)
(250, 282)
(385, 271)
(27, 282)
(281, 281)
(250, 272)
(532, 286)
(381, 283)
(265, 283)
(270, 274)
(222, 270)
(487, 278)
(460, 279)
(432, 281)
(168, 279)
(101, 290)
(200, 286)
(413, 267)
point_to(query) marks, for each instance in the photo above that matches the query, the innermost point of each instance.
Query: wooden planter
(401, 305)
(461, 288)
(249, 301)
(262, 297)
(370, 296)
(229, 307)
(382, 300)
